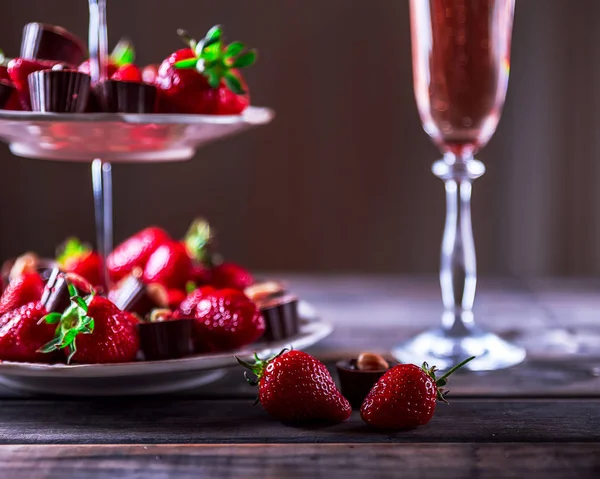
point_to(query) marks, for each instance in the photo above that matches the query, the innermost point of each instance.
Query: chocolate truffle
(169, 339)
(281, 317)
(48, 42)
(127, 97)
(358, 376)
(59, 91)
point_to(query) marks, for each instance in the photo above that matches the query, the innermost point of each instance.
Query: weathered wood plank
(460, 461)
(192, 421)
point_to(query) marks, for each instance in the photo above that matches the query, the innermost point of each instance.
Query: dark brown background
(341, 181)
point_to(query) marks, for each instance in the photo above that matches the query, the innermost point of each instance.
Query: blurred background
(341, 181)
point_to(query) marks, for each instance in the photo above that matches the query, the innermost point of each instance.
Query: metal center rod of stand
(102, 186)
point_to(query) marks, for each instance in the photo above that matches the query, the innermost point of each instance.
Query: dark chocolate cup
(48, 42)
(169, 339)
(6, 91)
(356, 384)
(131, 294)
(127, 97)
(281, 317)
(56, 297)
(59, 91)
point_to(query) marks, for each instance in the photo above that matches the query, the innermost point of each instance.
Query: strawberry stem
(216, 60)
(72, 322)
(455, 368)
(72, 248)
(197, 241)
(123, 53)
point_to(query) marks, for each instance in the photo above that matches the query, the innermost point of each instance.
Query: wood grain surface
(450, 461)
(193, 421)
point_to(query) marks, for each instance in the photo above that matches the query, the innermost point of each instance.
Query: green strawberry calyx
(258, 368)
(123, 53)
(72, 248)
(216, 60)
(197, 241)
(441, 382)
(72, 322)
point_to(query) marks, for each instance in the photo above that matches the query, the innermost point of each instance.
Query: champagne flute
(461, 63)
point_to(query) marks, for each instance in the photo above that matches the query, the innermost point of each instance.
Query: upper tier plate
(119, 138)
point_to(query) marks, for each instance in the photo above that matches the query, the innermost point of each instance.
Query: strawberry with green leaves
(205, 78)
(294, 387)
(405, 397)
(79, 258)
(93, 331)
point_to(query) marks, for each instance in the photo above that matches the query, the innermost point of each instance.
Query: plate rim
(312, 331)
(253, 115)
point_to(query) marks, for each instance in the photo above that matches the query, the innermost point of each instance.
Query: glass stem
(102, 186)
(458, 272)
(98, 41)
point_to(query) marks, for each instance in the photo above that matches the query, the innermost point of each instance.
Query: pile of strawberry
(93, 330)
(203, 78)
(296, 388)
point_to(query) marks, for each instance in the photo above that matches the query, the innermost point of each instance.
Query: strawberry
(21, 290)
(294, 387)
(23, 332)
(169, 265)
(225, 319)
(19, 69)
(150, 74)
(199, 244)
(130, 73)
(123, 54)
(405, 397)
(94, 331)
(205, 78)
(3, 69)
(135, 251)
(76, 257)
(230, 275)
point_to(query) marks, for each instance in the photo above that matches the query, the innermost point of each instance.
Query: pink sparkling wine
(461, 64)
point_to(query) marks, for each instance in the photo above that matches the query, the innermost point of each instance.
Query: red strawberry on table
(169, 265)
(294, 387)
(94, 331)
(205, 78)
(405, 397)
(135, 251)
(76, 257)
(225, 319)
(122, 55)
(23, 332)
(21, 290)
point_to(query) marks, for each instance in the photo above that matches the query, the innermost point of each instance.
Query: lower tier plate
(150, 377)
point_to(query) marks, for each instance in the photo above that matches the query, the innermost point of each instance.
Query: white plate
(120, 138)
(149, 377)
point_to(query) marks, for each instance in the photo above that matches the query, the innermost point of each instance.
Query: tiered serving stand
(102, 139)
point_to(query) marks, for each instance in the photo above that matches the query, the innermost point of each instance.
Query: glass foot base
(439, 348)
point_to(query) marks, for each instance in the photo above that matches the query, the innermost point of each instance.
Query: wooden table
(541, 419)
